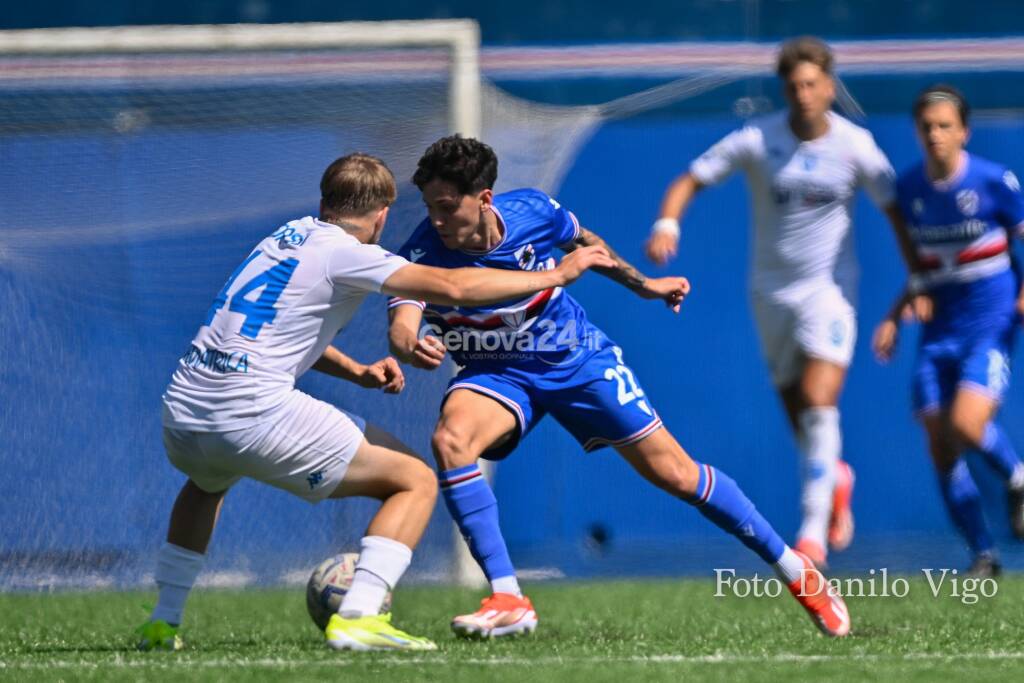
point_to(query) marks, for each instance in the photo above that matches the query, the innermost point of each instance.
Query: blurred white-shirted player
(804, 166)
(232, 410)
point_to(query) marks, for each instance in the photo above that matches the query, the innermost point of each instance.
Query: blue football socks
(720, 499)
(964, 504)
(474, 508)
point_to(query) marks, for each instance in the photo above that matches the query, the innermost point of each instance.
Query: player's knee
(943, 451)
(818, 395)
(967, 430)
(423, 482)
(450, 447)
(194, 494)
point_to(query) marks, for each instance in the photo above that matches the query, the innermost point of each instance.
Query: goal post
(161, 135)
(460, 36)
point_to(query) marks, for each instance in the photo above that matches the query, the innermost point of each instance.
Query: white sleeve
(363, 266)
(874, 172)
(732, 152)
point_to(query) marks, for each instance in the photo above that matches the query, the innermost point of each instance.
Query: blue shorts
(596, 397)
(944, 366)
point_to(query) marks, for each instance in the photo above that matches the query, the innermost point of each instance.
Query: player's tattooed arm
(671, 290)
(625, 273)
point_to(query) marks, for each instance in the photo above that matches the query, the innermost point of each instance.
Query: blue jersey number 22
(261, 311)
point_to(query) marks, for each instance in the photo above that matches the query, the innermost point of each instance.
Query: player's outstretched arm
(384, 374)
(403, 336)
(663, 244)
(671, 290)
(484, 286)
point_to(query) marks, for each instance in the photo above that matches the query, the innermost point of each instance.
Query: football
(327, 587)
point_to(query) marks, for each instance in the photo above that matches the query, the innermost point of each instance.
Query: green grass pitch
(589, 631)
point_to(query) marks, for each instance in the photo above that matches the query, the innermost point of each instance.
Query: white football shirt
(271, 322)
(802, 195)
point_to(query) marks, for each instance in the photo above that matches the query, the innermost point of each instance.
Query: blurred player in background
(232, 409)
(962, 211)
(803, 168)
(526, 357)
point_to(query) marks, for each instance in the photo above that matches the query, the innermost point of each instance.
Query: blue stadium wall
(85, 482)
(547, 21)
(590, 513)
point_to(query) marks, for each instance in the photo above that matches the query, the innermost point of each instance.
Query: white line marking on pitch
(441, 659)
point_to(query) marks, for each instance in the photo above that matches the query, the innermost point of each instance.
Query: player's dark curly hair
(941, 92)
(467, 163)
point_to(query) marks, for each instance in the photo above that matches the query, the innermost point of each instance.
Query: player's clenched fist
(428, 353)
(671, 290)
(384, 374)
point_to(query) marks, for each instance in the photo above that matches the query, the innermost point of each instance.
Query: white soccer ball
(327, 587)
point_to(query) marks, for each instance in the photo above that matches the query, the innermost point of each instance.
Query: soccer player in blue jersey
(528, 357)
(962, 212)
(232, 410)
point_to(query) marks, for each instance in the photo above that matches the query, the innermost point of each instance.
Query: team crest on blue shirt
(918, 206)
(526, 257)
(967, 202)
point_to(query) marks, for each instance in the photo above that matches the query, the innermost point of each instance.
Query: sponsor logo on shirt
(802, 193)
(964, 230)
(416, 254)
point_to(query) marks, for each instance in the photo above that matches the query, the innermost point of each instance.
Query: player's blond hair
(804, 49)
(354, 185)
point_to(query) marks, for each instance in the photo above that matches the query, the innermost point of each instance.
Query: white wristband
(666, 226)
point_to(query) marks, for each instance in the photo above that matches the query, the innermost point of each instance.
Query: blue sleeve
(565, 226)
(1009, 201)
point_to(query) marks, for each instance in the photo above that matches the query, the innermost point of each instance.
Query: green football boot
(158, 635)
(371, 633)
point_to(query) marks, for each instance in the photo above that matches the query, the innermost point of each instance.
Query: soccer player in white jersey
(803, 167)
(232, 410)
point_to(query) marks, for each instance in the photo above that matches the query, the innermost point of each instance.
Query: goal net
(139, 166)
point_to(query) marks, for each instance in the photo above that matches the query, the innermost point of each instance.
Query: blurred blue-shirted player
(526, 358)
(962, 211)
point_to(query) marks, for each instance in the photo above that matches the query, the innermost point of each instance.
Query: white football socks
(381, 564)
(506, 584)
(176, 572)
(820, 445)
(789, 567)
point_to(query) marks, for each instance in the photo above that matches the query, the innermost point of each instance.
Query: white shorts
(303, 446)
(819, 324)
